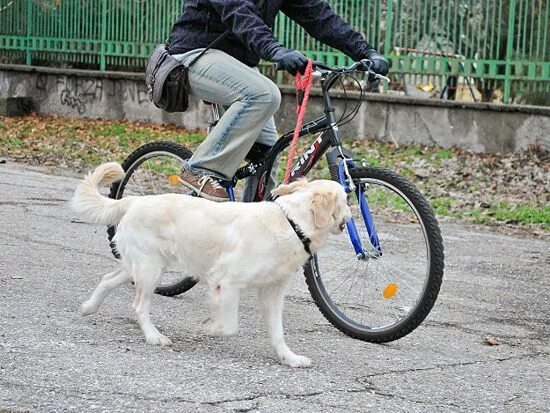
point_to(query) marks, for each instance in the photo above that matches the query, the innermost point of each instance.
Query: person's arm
(321, 22)
(240, 16)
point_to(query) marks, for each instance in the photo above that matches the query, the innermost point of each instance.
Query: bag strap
(259, 5)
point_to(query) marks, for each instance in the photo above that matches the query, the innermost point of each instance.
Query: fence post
(389, 22)
(28, 60)
(102, 47)
(509, 51)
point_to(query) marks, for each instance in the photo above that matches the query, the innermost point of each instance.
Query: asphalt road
(52, 359)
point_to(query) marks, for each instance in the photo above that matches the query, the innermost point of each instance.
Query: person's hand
(290, 60)
(379, 63)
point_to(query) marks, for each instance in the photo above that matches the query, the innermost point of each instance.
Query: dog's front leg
(272, 299)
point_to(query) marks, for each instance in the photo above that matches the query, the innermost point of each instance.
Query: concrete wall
(113, 95)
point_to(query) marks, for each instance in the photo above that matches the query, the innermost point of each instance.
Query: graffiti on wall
(79, 93)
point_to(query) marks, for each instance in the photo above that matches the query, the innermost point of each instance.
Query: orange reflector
(390, 290)
(174, 180)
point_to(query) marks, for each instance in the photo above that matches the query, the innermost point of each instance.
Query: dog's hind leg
(272, 299)
(146, 277)
(225, 310)
(214, 302)
(107, 284)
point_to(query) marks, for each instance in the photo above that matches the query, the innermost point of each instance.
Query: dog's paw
(158, 340)
(88, 308)
(294, 360)
(217, 329)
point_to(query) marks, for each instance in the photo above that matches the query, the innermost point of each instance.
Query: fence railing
(502, 46)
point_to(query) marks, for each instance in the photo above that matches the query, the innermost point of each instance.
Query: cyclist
(227, 75)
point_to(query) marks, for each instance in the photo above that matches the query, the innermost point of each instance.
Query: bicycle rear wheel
(381, 294)
(148, 171)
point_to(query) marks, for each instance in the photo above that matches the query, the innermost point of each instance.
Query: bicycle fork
(346, 181)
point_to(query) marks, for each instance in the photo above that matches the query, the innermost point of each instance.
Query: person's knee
(272, 100)
(275, 97)
(267, 98)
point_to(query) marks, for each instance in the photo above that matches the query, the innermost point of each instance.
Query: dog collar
(299, 232)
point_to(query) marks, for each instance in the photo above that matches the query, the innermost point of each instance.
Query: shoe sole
(202, 194)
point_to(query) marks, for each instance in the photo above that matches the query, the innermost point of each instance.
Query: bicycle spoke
(342, 283)
(349, 290)
(151, 176)
(383, 298)
(362, 292)
(138, 184)
(386, 264)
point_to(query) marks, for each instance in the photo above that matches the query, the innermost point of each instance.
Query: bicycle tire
(412, 320)
(117, 190)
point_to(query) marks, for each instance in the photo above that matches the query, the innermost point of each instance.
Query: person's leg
(268, 137)
(251, 98)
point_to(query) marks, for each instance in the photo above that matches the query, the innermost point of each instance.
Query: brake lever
(381, 77)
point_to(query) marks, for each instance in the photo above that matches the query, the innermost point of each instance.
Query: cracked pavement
(52, 359)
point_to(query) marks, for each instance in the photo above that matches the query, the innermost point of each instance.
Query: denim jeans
(250, 100)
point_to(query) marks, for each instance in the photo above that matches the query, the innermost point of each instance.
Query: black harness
(299, 232)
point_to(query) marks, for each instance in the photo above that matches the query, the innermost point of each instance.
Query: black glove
(290, 60)
(379, 63)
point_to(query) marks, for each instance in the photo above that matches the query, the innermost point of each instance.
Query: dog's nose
(342, 225)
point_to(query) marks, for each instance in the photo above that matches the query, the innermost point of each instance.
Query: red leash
(303, 86)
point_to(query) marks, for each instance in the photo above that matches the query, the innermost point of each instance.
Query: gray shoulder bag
(167, 78)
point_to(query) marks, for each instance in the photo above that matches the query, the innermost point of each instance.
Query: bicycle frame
(339, 160)
(328, 137)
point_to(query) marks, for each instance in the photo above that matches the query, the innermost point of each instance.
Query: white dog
(228, 245)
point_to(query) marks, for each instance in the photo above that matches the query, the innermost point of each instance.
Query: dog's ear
(290, 188)
(322, 205)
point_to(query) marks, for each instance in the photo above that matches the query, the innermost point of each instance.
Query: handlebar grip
(321, 65)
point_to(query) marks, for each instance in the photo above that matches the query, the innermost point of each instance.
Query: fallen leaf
(491, 341)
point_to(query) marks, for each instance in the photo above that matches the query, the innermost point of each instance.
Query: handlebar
(321, 69)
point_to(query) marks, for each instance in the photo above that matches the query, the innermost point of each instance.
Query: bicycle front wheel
(384, 291)
(150, 170)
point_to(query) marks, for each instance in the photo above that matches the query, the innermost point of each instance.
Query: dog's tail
(95, 207)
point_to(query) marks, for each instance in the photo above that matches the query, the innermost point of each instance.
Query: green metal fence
(503, 46)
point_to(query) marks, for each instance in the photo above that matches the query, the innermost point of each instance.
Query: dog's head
(329, 205)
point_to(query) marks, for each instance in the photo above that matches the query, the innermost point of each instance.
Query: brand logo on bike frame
(307, 156)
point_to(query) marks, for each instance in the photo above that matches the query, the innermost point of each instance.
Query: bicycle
(382, 283)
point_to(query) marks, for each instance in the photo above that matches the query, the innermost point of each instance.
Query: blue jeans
(250, 100)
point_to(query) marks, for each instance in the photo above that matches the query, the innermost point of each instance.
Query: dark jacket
(202, 21)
